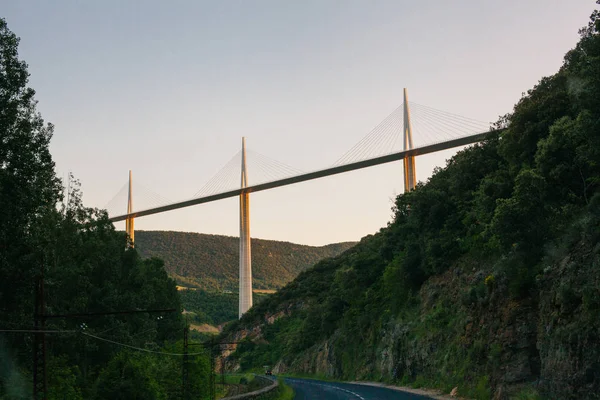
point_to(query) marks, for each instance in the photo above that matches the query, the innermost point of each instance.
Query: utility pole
(185, 367)
(223, 371)
(213, 395)
(40, 381)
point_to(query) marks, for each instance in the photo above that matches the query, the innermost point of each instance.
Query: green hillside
(211, 262)
(213, 308)
(488, 277)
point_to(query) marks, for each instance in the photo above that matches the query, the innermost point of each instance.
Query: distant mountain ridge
(210, 262)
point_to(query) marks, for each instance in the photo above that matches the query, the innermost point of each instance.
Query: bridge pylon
(129, 220)
(410, 171)
(245, 301)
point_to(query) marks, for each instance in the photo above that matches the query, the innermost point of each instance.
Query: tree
(83, 260)
(29, 188)
(129, 376)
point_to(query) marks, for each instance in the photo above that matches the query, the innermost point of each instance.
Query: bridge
(444, 130)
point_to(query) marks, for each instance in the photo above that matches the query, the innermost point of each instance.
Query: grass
(284, 392)
(244, 382)
(528, 394)
(319, 377)
(234, 379)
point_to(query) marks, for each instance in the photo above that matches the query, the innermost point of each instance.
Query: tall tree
(83, 259)
(29, 188)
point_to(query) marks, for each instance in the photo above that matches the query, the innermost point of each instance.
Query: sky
(167, 90)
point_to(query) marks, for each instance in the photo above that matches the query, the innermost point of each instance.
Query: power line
(95, 314)
(33, 331)
(139, 348)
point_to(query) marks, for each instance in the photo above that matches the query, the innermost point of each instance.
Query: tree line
(48, 237)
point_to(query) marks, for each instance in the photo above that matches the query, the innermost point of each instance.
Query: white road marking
(329, 386)
(348, 391)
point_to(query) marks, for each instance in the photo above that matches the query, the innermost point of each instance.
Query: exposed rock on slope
(464, 330)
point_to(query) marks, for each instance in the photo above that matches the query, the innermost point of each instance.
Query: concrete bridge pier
(129, 229)
(410, 171)
(245, 301)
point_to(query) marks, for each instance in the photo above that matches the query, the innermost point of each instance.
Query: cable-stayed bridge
(409, 131)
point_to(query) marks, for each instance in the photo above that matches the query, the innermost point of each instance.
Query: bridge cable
(222, 178)
(394, 134)
(472, 121)
(375, 148)
(366, 145)
(216, 179)
(378, 146)
(261, 166)
(455, 127)
(121, 195)
(216, 182)
(449, 130)
(277, 164)
(456, 121)
(424, 126)
(230, 179)
(366, 148)
(358, 147)
(271, 169)
(142, 194)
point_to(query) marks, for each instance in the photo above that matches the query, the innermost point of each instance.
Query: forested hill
(488, 278)
(211, 262)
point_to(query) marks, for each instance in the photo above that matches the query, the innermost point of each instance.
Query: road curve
(310, 389)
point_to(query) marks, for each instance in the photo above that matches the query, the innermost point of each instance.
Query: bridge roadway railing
(257, 394)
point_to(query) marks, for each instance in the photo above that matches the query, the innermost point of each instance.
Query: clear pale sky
(168, 88)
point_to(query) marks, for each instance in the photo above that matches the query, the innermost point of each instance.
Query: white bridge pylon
(410, 170)
(245, 300)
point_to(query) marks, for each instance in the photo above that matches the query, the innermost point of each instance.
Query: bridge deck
(312, 175)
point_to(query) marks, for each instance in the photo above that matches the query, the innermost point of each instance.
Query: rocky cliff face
(568, 335)
(468, 329)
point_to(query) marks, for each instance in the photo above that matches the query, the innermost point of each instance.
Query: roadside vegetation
(235, 384)
(283, 392)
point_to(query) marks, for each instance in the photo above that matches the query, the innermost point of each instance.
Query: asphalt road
(309, 389)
